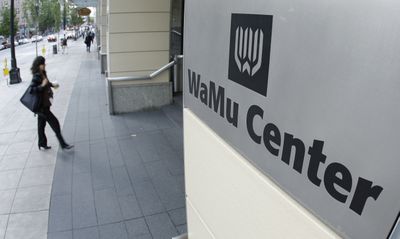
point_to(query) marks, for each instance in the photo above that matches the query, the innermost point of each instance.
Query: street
(26, 53)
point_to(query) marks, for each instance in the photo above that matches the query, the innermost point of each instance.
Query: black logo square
(249, 52)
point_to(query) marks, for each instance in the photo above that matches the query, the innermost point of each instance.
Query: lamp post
(64, 16)
(14, 72)
(37, 24)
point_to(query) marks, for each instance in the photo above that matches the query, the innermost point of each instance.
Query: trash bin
(54, 49)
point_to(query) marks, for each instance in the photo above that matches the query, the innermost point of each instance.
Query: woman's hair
(40, 60)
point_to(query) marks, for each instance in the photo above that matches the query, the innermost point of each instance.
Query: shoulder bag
(31, 100)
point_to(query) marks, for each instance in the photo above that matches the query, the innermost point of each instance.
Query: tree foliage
(45, 13)
(75, 19)
(48, 14)
(5, 22)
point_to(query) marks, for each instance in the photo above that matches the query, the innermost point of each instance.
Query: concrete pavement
(25, 172)
(124, 179)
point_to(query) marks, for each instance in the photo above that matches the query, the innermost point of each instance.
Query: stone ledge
(131, 98)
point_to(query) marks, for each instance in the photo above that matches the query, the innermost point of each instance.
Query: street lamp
(64, 16)
(37, 24)
(14, 72)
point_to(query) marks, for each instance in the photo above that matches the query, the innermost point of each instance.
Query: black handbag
(31, 100)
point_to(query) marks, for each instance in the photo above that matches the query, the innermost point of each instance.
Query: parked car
(70, 34)
(8, 43)
(36, 38)
(22, 41)
(51, 38)
(3, 42)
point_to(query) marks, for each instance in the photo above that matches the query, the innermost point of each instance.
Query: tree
(50, 16)
(75, 19)
(90, 19)
(5, 21)
(46, 13)
(30, 11)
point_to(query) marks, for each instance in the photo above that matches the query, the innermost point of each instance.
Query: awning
(85, 3)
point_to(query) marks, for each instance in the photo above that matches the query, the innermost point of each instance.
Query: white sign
(307, 91)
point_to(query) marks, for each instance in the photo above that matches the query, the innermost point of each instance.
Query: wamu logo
(250, 44)
(248, 49)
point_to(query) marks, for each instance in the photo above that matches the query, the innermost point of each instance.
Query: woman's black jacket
(44, 92)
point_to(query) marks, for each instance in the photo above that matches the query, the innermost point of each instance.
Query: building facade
(279, 135)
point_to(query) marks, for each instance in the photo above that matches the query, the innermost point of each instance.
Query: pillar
(138, 44)
(103, 34)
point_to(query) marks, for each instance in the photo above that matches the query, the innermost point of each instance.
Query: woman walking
(42, 86)
(88, 41)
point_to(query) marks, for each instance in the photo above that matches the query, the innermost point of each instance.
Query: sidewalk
(124, 178)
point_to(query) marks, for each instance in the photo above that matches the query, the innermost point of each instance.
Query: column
(138, 44)
(103, 34)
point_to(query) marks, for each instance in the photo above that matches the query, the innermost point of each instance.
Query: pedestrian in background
(88, 42)
(42, 86)
(64, 43)
(92, 36)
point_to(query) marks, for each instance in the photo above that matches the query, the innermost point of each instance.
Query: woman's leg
(41, 127)
(55, 125)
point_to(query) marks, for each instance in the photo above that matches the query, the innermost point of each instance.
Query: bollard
(6, 71)
(43, 51)
(54, 49)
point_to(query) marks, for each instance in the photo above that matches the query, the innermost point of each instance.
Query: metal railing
(144, 77)
(183, 236)
(177, 33)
